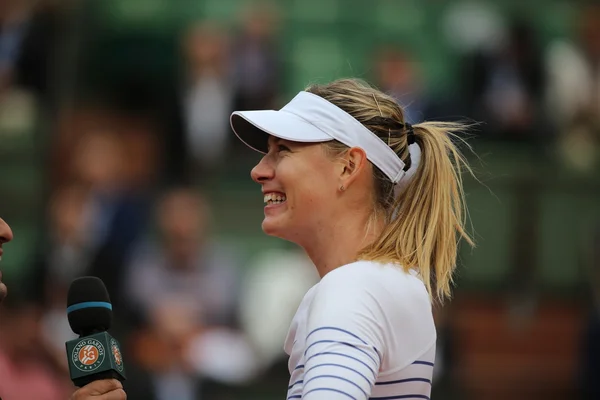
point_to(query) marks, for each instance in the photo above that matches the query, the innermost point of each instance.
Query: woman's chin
(270, 227)
(273, 227)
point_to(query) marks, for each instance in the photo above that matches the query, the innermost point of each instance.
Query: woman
(377, 205)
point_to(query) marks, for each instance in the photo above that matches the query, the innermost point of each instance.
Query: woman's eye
(282, 148)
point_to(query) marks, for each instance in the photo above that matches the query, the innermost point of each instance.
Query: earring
(342, 188)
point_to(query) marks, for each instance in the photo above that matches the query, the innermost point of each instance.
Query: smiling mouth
(274, 198)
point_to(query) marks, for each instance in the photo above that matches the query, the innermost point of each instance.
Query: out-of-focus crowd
(129, 170)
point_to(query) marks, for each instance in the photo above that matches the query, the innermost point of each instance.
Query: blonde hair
(426, 221)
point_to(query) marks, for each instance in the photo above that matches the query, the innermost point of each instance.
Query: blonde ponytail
(429, 214)
(426, 221)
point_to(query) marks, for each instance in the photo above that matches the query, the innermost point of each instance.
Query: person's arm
(106, 389)
(344, 343)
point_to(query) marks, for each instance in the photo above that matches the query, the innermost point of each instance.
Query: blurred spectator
(273, 289)
(219, 74)
(256, 58)
(398, 74)
(194, 113)
(504, 86)
(18, 101)
(116, 206)
(183, 290)
(31, 34)
(574, 71)
(27, 369)
(93, 219)
(472, 26)
(68, 250)
(196, 116)
(208, 92)
(14, 18)
(573, 91)
(185, 265)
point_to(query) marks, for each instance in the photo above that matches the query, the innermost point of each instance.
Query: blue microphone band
(89, 304)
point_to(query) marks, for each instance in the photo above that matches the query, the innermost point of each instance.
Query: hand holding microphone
(106, 389)
(95, 361)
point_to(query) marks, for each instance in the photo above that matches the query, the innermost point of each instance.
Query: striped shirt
(365, 331)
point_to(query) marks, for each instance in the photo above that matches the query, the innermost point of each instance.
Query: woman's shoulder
(378, 275)
(374, 286)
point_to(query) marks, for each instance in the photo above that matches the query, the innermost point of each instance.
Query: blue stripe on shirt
(343, 355)
(424, 363)
(295, 383)
(329, 390)
(337, 377)
(405, 381)
(337, 365)
(344, 343)
(332, 328)
(405, 396)
(335, 329)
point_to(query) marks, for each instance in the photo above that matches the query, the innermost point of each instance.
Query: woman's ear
(354, 163)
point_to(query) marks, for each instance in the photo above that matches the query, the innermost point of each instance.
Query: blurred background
(117, 160)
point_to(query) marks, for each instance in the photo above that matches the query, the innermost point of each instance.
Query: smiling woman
(377, 204)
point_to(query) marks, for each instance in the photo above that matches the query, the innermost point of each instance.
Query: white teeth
(274, 198)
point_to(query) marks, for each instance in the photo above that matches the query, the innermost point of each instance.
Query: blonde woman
(377, 205)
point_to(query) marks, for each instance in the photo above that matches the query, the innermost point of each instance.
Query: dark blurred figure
(399, 75)
(27, 370)
(217, 75)
(117, 205)
(256, 59)
(181, 289)
(14, 19)
(590, 360)
(573, 92)
(68, 250)
(208, 94)
(195, 115)
(504, 87)
(66, 253)
(32, 33)
(94, 217)
(184, 263)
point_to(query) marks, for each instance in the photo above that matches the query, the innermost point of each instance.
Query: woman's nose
(263, 171)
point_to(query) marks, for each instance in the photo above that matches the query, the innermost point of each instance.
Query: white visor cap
(309, 118)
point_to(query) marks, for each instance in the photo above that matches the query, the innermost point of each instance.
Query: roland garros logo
(116, 354)
(88, 355)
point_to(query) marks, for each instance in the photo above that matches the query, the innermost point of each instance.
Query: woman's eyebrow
(273, 141)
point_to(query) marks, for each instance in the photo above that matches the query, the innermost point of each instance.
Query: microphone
(95, 354)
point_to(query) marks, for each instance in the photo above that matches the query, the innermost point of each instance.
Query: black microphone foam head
(88, 306)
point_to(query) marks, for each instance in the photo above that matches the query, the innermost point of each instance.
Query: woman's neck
(339, 244)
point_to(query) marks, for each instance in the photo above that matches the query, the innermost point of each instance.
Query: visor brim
(253, 128)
